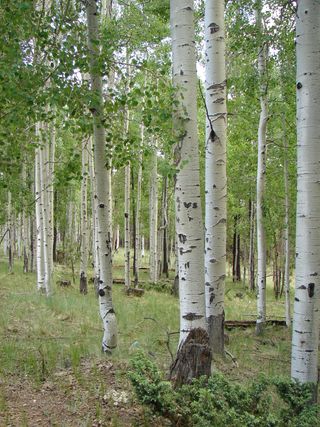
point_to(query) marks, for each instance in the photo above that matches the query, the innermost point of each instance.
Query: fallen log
(229, 324)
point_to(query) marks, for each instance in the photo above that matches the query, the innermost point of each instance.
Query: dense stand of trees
(102, 146)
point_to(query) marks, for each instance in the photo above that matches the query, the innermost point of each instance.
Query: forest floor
(52, 372)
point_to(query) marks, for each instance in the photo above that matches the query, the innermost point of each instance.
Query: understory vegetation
(49, 340)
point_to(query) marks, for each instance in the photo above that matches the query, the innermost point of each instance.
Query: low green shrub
(217, 401)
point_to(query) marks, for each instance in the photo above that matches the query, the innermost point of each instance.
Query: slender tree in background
(10, 233)
(153, 214)
(107, 313)
(84, 252)
(286, 225)
(215, 174)
(306, 318)
(261, 175)
(137, 210)
(189, 226)
(127, 240)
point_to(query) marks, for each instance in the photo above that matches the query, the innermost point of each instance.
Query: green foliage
(217, 401)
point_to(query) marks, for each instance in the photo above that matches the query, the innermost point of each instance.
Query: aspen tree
(286, 227)
(107, 313)
(189, 226)
(138, 208)
(306, 317)
(261, 178)
(216, 178)
(84, 220)
(153, 214)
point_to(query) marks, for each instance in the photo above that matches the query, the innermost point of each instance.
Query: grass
(39, 335)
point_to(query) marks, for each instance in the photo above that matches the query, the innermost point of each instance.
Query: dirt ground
(98, 394)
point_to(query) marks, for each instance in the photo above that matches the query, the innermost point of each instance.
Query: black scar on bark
(101, 205)
(187, 205)
(214, 28)
(126, 215)
(192, 316)
(311, 289)
(101, 293)
(299, 85)
(297, 299)
(182, 238)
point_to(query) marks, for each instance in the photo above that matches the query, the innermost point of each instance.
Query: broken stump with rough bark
(193, 358)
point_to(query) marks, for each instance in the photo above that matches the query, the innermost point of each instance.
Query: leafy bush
(216, 401)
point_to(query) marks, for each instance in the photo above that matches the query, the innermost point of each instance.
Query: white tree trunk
(127, 226)
(138, 208)
(306, 318)
(142, 247)
(94, 204)
(102, 177)
(50, 189)
(10, 233)
(189, 225)
(286, 229)
(84, 220)
(45, 218)
(153, 215)
(261, 177)
(39, 223)
(216, 178)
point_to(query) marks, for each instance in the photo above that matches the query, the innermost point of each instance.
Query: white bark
(261, 176)
(286, 229)
(94, 204)
(39, 225)
(306, 318)
(153, 215)
(189, 226)
(138, 208)
(142, 247)
(215, 177)
(127, 226)
(45, 218)
(107, 313)
(10, 233)
(84, 220)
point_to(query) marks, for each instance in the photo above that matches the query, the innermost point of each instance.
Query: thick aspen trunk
(102, 177)
(261, 177)
(306, 318)
(215, 175)
(84, 220)
(189, 225)
(153, 215)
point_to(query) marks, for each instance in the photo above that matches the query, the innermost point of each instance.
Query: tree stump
(193, 358)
